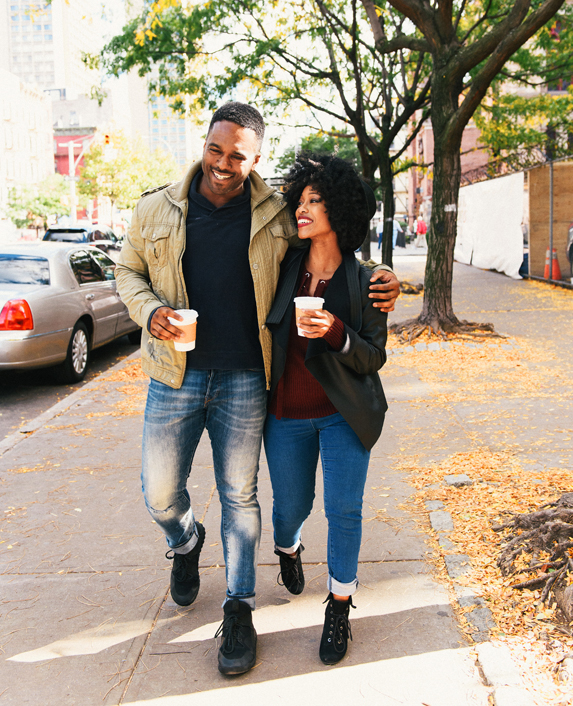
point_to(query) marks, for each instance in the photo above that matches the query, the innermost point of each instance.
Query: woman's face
(311, 217)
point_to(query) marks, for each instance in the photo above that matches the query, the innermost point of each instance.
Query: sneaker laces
(293, 570)
(229, 629)
(179, 564)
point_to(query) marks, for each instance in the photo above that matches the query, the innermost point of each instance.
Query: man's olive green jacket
(149, 272)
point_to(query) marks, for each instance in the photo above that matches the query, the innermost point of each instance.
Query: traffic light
(106, 139)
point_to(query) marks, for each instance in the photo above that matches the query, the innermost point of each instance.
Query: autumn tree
(527, 116)
(469, 44)
(32, 204)
(318, 54)
(123, 169)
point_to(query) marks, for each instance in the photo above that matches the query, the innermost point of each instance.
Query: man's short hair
(241, 114)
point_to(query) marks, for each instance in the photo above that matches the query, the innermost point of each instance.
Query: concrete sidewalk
(86, 614)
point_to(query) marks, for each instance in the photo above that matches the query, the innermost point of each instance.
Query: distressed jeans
(292, 447)
(231, 405)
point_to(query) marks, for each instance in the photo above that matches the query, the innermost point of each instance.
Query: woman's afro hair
(341, 190)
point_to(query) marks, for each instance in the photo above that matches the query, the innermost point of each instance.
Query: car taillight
(16, 316)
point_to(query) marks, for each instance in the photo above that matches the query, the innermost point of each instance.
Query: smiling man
(214, 242)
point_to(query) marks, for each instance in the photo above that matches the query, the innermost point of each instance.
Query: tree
(469, 44)
(522, 131)
(524, 128)
(320, 55)
(341, 144)
(30, 204)
(122, 170)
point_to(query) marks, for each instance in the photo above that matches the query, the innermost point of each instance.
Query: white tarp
(489, 225)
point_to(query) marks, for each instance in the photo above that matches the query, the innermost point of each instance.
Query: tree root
(410, 330)
(548, 530)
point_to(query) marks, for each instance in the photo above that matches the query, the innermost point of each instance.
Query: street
(26, 394)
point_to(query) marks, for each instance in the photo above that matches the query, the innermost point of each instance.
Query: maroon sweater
(298, 394)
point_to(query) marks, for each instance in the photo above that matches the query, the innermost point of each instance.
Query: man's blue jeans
(231, 405)
(292, 447)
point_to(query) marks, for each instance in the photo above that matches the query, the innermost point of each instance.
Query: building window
(48, 37)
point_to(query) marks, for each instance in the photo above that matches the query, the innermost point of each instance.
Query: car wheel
(74, 368)
(135, 337)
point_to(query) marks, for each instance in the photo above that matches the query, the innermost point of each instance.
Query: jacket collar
(291, 275)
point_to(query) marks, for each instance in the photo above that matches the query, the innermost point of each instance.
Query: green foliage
(319, 55)
(526, 127)
(521, 131)
(122, 170)
(30, 205)
(343, 145)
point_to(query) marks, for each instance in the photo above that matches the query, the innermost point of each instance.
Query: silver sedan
(57, 302)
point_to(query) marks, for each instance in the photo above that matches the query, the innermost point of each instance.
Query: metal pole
(72, 175)
(551, 220)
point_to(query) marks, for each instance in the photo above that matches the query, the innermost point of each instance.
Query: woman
(325, 394)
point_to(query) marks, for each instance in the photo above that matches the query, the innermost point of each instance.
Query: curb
(501, 673)
(480, 616)
(497, 666)
(59, 408)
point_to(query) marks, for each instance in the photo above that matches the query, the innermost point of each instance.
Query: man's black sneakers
(291, 574)
(185, 571)
(336, 631)
(238, 650)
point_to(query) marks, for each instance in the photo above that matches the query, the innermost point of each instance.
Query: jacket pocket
(278, 231)
(157, 240)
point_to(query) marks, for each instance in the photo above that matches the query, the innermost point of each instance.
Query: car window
(106, 264)
(23, 269)
(67, 236)
(85, 268)
(98, 235)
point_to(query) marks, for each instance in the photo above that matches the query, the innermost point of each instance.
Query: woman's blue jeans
(292, 447)
(231, 405)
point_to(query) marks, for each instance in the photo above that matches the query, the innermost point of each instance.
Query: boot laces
(338, 626)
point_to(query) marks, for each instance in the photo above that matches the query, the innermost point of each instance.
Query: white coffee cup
(306, 303)
(188, 326)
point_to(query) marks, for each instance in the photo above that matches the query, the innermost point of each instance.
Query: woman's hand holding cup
(314, 323)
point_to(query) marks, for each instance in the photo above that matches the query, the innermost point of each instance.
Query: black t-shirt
(219, 283)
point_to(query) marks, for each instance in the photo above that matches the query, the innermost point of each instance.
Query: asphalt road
(26, 394)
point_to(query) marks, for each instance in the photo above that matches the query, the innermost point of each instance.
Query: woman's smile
(312, 217)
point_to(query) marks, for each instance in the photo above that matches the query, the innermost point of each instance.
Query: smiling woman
(326, 394)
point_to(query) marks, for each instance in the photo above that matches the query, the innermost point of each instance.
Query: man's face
(230, 154)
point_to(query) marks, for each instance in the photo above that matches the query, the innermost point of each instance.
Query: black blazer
(350, 380)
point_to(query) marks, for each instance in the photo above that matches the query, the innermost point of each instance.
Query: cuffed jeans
(231, 405)
(292, 447)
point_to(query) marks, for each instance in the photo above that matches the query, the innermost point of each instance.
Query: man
(215, 241)
(396, 228)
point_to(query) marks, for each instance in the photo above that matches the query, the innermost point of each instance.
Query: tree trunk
(368, 171)
(387, 189)
(437, 310)
(365, 252)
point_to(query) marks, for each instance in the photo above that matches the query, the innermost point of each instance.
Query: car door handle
(89, 297)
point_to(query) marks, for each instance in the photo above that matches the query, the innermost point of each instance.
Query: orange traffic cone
(556, 272)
